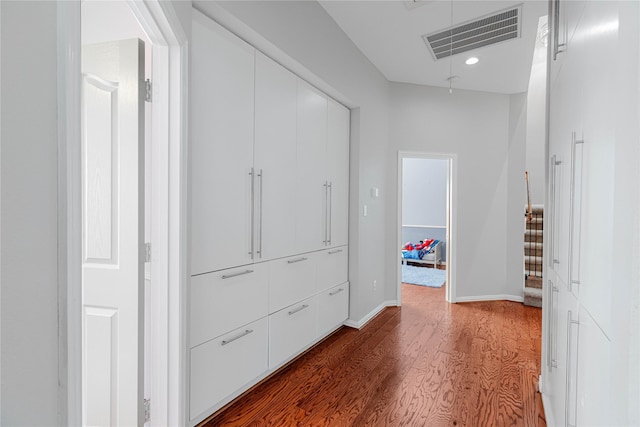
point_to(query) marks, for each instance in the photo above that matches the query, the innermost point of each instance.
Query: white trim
(161, 24)
(69, 216)
(548, 412)
(452, 219)
(500, 297)
(359, 324)
(425, 226)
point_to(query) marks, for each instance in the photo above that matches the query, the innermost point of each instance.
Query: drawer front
(333, 265)
(223, 365)
(333, 308)
(225, 300)
(290, 330)
(292, 279)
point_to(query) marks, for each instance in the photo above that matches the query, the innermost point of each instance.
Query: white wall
(476, 127)
(536, 121)
(306, 33)
(424, 192)
(516, 194)
(29, 242)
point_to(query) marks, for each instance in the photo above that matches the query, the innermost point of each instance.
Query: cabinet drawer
(292, 279)
(290, 330)
(226, 300)
(333, 308)
(332, 267)
(223, 365)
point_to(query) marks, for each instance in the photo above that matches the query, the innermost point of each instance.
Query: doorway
(162, 26)
(116, 215)
(426, 211)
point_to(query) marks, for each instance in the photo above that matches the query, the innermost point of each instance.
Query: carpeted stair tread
(533, 282)
(533, 245)
(535, 224)
(533, 297)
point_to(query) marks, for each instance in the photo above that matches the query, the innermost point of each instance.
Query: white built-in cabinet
(269, 217)
(585, 353)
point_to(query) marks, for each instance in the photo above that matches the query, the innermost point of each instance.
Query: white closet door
(222, 103)
(275, 159)
(338, 173)
(311, 194)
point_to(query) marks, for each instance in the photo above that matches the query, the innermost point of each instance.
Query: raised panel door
(275, 159)
(222, 104)
(312, 191)
(338, 173)
(113, 232)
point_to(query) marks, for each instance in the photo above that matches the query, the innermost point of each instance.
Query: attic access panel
(492, 29)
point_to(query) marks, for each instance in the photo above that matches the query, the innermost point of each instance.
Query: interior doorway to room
(425, 221)
(116, 214)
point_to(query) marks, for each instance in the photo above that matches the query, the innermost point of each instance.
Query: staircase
(533, 257)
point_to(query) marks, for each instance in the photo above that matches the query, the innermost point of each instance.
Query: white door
(113, 230)
(338, 173)
(312, 192)
(275, 158)
(222, 175)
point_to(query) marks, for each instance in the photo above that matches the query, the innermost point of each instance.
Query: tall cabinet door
(275, 159)
(312, 192)
(338, 173)
(222, 105)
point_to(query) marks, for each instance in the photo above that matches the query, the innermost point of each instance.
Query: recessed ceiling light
(471, 61)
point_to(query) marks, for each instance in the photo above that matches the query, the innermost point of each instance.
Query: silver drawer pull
(334, 252)
(237, 337)
(298, 309)
(575, 282)
(335, 292)
(292, 261)
(556, 261)
(229, 276)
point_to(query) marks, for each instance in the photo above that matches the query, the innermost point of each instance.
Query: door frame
(168, 200)
(451, 236)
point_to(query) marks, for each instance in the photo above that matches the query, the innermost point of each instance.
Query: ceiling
(390, 33)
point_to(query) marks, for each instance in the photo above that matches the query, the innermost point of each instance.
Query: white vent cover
(496, 28)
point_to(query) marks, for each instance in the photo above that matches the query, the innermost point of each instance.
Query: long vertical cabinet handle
(253, 193)
(260, 176)
(326, 203)
(552, 335)
(330, 226)
(552, 216)
(573, 216)
(556, 213)
(557, 46)
(567, 396)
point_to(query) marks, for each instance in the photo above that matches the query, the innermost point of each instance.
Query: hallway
(428, 363)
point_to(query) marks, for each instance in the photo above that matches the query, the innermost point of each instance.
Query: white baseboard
(548, 413)
(359, 324)
(514, 298)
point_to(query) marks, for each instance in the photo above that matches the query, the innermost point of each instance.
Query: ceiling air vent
(492, 29)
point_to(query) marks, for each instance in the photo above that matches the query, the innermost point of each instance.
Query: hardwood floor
(428, 363)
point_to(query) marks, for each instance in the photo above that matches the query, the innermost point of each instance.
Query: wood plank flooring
(428, 363)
